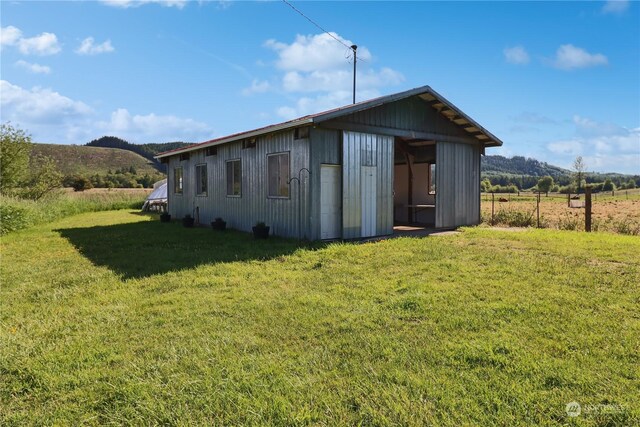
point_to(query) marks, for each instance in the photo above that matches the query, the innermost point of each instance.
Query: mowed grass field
(115, 318)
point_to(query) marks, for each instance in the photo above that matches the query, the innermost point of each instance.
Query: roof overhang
(431, 97)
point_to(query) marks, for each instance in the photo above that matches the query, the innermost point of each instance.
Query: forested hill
(519, 165)
(145, 150)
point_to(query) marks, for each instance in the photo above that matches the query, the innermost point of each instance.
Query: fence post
(493, 201)
(587, 209)
(538, 208)
(568, 200)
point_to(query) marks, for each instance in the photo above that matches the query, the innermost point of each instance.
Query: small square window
(211, 151)
(249, 143)
(301, 133)
(184, 156)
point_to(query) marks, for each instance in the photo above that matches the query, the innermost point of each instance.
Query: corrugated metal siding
(324, 149)
(408, 114)
(364, 149)
(253, 205)
(457, 184)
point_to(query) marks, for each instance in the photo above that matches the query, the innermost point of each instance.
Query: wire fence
(616, 211)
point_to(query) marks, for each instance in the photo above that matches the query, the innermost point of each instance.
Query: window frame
(239, 161)
(178, 184)
(281, 153)
(199, 167)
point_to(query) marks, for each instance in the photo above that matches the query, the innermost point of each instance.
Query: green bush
(504, 189)
(12, 217)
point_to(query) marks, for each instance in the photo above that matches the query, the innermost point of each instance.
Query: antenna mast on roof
(355, 59)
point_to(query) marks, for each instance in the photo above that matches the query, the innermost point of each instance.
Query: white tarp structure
(157, 200)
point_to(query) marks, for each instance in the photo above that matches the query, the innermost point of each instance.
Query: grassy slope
(112, 318)
(74, 159)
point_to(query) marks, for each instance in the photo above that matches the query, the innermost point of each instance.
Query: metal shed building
(353, 172)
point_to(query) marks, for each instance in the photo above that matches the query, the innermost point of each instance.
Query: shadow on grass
(142, 249)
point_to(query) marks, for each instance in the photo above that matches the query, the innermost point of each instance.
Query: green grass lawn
(116, 318)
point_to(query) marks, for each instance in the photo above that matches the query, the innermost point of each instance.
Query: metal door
(330, 202)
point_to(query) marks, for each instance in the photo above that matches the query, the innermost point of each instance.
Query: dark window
(249, 143)
(201, 180)
(301, 133)
(234, 178)
(278, 174)
(184, 156)
(211, 151)
(177, 180)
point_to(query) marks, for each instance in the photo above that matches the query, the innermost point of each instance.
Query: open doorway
(414, 185)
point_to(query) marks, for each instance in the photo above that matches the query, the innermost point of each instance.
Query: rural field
(617, 213)
(115, 318)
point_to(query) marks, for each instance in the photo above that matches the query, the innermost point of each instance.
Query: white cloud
(589, 128)
(88, 47)
(606, 147)
(326, 80)
(43, 44)
(38, 105)
(314, 52)
(52, 117)
(9, 36)
(317, 67)
(516, 55)
(257, 86)
(570, 147)
(615, 6)
(154, 128)
(322, 102)
(569, 57)
(136, 3)
(33, 68)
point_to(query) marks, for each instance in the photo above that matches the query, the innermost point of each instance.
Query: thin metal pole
(538, 209)
(492, 206)
(587, 208)
(355, 59)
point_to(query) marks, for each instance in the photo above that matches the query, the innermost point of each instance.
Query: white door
(369, 197)
(330, 200)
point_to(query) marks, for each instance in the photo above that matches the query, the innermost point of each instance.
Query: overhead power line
(353, 47)
(316, 24)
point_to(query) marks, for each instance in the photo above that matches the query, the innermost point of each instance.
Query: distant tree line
(120, 178)
(145, 150)
(519, 165)
(561, 184)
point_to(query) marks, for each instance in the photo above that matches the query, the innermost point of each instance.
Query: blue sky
(553, 80)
